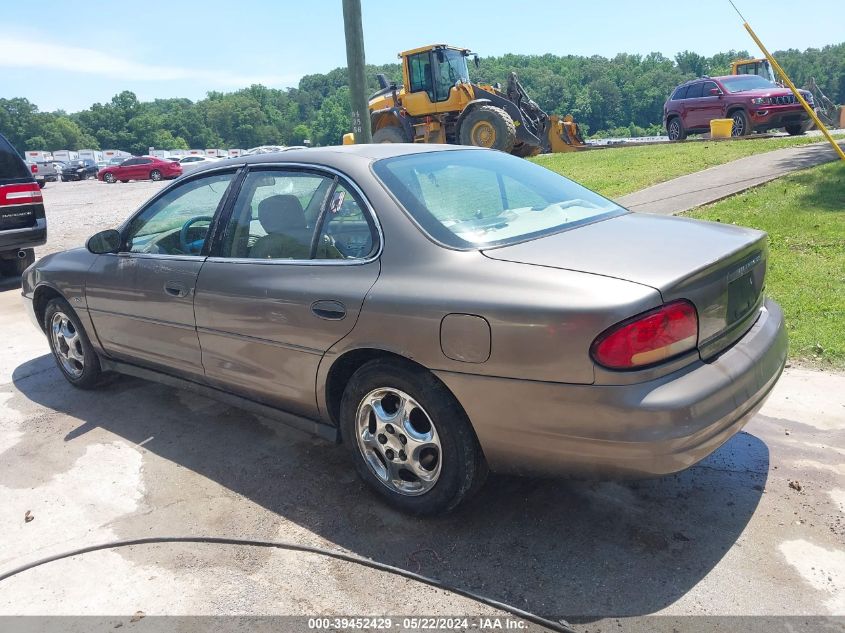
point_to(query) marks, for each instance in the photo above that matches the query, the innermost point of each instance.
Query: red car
(754, 103)
(141, 168)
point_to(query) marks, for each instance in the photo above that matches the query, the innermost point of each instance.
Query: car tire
(390, 134)
(388, 406)
(675, 129)
(488, 126)
(740, 126)
(72, 350)
(155, 175)
(124, 181)
(795, 130)
(109, 178)
(15, 267)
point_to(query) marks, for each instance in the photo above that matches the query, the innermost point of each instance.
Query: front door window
(177, 223)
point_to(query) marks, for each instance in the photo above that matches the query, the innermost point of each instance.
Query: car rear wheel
(410, 440)
(675, 129)
(72, 350)
(109, 177)
(740, 124)
(155, 175)
(795, 130)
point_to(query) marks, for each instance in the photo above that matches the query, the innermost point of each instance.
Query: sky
(68, 55)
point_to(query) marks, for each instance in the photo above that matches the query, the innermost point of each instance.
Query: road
(756, 529)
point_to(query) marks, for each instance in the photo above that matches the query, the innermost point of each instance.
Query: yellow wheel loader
(438, 103)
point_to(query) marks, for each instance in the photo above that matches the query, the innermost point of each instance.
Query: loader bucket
(564, 135)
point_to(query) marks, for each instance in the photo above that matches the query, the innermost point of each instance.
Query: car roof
(337, 155)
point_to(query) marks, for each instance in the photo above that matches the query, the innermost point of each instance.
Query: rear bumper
(640, 430)
(29, 237)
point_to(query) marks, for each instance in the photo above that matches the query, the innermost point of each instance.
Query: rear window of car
(680, 93)
(11, 164)
(477, 199)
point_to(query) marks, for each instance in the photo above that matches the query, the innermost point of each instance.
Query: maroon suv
(754, 104)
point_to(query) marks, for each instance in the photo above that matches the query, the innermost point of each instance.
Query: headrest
(281, 213)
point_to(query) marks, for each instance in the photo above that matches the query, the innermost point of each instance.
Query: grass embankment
(617, 171)
(804, 215)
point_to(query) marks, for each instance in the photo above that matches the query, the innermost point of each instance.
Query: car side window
(275, 215)
(695, 91)
(680, 93)
(129, 163)
(143, 161)
(707, 87)
(347, 231)
(178, 222)
(297, 215)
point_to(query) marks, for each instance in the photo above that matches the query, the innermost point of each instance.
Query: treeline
(622, 96)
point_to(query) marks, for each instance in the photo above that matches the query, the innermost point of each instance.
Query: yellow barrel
(721, 128)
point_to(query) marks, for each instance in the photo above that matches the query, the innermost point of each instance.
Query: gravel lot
(76, 210)
(756, 529)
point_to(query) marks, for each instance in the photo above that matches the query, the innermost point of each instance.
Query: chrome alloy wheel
(738, 125)
(67, 344)
(674, 130)
(398, 441)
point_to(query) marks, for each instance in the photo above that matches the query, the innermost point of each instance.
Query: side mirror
(715, 92)
(440, 56)
(107, 241)
(476, 61)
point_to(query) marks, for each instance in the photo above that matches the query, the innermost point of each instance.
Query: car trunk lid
(720, 268)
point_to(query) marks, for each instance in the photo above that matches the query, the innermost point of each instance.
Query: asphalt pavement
(713, 184)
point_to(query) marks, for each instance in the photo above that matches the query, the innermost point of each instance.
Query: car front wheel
(410, 440)
(71, 348)
(740, 124)
(109, 177)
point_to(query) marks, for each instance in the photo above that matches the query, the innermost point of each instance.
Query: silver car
(441, 310)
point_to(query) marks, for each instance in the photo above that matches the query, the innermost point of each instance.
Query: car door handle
(176, 289)
(330, 310)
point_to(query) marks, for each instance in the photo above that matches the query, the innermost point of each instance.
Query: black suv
(80, 169)
(22, 222)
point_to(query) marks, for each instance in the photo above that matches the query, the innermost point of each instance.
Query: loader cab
(431, 75)
(760, 67)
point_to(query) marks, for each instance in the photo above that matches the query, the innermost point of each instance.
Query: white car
(189, 163)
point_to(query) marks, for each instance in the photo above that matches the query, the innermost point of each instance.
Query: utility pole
(355, 63)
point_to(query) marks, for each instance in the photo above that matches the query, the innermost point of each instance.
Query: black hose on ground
(349, 558)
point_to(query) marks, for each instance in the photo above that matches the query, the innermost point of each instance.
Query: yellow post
(794, 90)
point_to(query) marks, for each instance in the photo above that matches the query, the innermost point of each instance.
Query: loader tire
(389, 134)
(488, 126)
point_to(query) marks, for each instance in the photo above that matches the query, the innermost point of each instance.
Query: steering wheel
(194, 247)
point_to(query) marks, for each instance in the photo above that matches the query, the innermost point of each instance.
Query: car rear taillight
(34, 168)
(649, 338)
(27, 193)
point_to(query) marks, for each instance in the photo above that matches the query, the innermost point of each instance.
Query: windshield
(743, 83)
(452, 69)
(477, 199)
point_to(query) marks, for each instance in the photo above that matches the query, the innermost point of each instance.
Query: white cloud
(16, 52)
